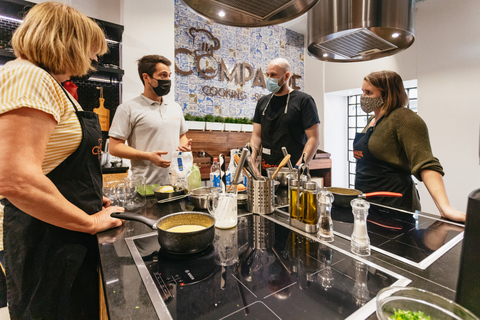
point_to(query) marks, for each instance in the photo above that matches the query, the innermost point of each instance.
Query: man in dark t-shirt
(285, 118)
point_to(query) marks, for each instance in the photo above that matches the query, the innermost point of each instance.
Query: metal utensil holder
(260, 197)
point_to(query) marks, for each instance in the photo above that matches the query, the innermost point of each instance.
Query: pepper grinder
(360, 243)
(325, 200)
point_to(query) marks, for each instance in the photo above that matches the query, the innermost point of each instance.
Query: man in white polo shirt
(153, 127)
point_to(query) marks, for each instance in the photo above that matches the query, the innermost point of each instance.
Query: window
(357, 120)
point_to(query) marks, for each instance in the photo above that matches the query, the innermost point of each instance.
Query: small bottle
(310, 213)
(293, 197)
(360, 243)
(215, 174)
(325, 200)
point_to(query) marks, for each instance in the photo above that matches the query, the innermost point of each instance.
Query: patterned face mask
(370, 104)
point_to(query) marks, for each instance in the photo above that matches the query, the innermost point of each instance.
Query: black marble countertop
(127, 297)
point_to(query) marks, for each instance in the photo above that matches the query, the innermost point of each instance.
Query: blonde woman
(395, 145)
(51, 175)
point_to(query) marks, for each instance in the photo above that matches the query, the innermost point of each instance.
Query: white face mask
(370, 104)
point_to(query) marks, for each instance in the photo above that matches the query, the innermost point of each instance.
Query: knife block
(468, 286)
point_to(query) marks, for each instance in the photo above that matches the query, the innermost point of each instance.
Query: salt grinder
(360, 243)
(325, 200)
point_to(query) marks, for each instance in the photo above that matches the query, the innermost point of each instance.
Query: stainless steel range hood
(250, 13)
(358, 30)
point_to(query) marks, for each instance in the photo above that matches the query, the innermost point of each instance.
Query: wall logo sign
(209, 67)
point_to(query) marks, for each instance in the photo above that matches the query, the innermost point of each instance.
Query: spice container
(325, 200)
(360, 243)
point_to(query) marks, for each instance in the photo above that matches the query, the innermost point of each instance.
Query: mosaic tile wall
(209, 44)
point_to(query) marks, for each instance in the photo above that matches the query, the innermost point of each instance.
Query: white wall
(315, 86)
(149, 29)
(448, 65)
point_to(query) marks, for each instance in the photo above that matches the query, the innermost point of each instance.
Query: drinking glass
(130, 193)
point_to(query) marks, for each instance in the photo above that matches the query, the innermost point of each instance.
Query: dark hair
(391, 86)
(148, 64)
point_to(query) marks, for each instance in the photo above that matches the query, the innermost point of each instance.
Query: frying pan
(343, 196)
(178, 242)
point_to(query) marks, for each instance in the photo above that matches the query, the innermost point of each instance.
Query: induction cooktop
(263, 270)
(417, 239)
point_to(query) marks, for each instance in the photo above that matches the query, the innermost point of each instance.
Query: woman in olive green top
(394, 146)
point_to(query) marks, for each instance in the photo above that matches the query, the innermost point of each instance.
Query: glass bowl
(413, 299)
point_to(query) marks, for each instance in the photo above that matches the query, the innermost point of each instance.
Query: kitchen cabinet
(108, 75)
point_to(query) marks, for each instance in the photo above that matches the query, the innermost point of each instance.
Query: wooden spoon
(281, 165)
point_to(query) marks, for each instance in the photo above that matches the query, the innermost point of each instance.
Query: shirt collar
(152, 102)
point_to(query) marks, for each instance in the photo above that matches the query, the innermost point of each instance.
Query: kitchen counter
(127, 297)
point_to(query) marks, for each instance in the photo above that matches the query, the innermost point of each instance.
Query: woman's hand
(103, 220)
(435, 186)
(106, 202)
(453, 214)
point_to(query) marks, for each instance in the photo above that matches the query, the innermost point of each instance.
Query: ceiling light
(221, 13)
(396, 35)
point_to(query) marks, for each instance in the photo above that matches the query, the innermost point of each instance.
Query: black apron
(275, 135)
(51, 271)
(373, 175)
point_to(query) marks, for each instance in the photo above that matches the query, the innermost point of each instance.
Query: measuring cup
(128, 192)
(224, 208)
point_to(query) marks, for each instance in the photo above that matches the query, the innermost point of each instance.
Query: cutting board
(103, 115)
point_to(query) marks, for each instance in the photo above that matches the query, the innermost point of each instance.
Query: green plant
(229, 120)
(218, 119)
(198, 118)
(210, 118)
(247, 120)
(189, 117)
(238, 120)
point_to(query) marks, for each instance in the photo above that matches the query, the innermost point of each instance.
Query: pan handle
(135, 217)
(382, 194)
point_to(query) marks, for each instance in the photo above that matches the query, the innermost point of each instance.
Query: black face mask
(163, 87)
